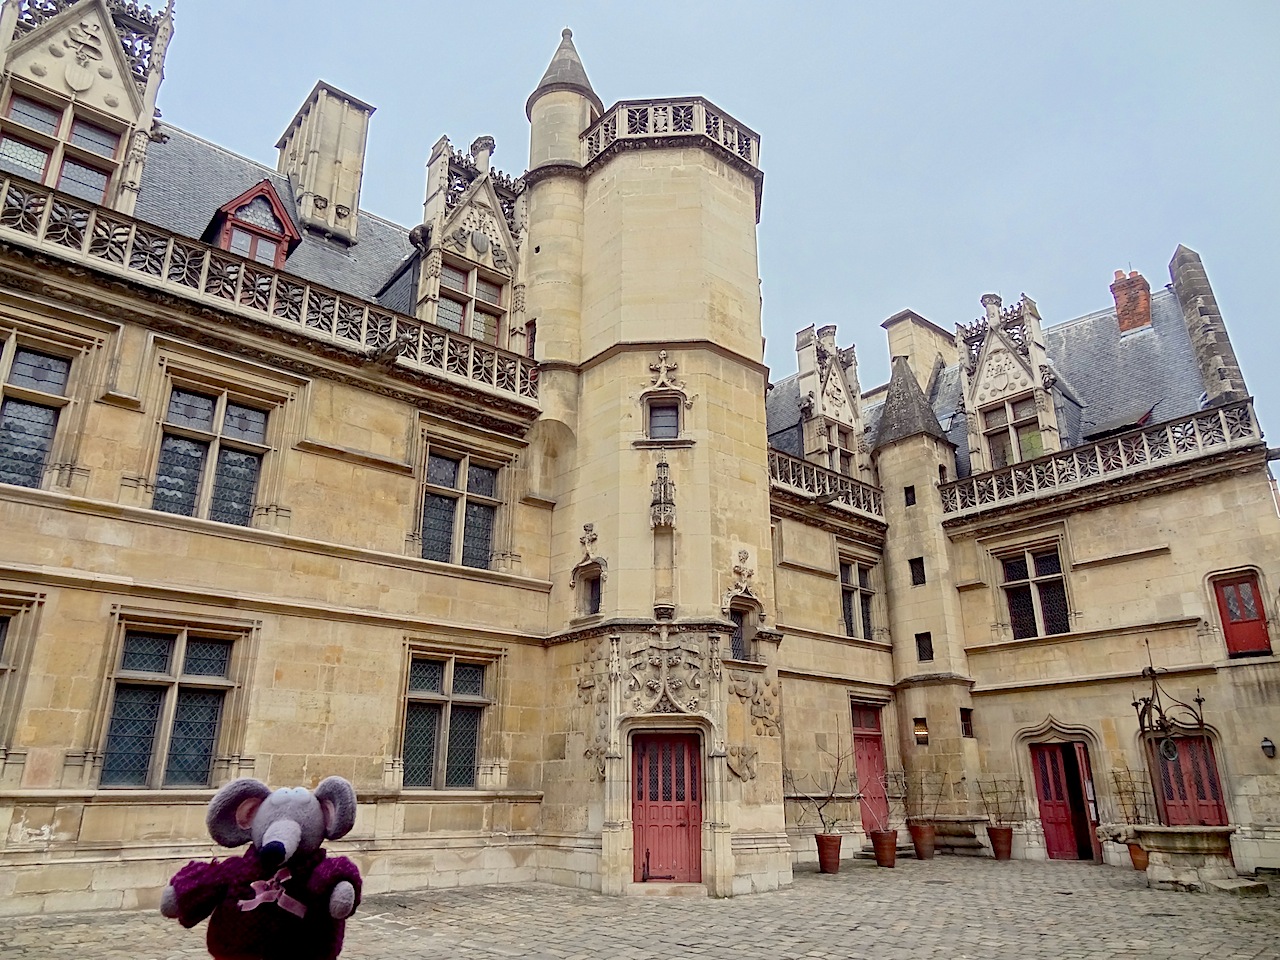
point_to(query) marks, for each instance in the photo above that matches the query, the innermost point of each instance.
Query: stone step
(660, 888)
(1238, 887)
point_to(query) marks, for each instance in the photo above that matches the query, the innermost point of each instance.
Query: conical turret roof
(906, 412)
(566, 72)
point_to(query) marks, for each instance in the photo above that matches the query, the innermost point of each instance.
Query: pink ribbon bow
(272, 891)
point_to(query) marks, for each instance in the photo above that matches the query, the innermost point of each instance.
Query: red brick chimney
(1133, 300)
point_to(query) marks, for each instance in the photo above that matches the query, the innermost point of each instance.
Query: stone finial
(481, 151)
(991, 302)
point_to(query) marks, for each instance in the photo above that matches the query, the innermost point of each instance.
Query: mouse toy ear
(232, 808)
(338, 801)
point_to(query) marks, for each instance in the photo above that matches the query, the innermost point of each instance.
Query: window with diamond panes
(459, 509)
(1035, 593)
(166, 710)
(856, 596)
(33, 388)
(211, 455)
(255, 232)
(445, 707)
(55, 146)
(470, 303)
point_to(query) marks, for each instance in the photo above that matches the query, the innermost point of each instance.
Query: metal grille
(866, 615)
(26, 437)
(468, 679)
(194, 410)
(477, 538)
(1015, 569)
(847, 609)
(178, 477)
(1022, 613)
(464, 743)
(1047, 564)
(437, 528)
(195, 734)
(426, 676)
(245, 423)
(421, 726)
(147, 652)
(924, 646)
(738, 640)
(1053, 604)
(235, 484)
(39, 371)
(666, 772)
(131, 735)
(917, 571)
(207, 658)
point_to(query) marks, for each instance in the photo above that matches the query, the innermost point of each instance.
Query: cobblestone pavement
(954, 908)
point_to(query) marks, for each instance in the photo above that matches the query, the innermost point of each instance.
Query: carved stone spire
(906, 412)
(566, 72)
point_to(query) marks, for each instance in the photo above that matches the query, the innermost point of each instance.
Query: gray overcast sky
(916, 154)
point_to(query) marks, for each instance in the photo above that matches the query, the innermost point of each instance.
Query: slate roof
(906, 411)
(186, 179)
(1106, 380)
(782, 412)
(565, 72)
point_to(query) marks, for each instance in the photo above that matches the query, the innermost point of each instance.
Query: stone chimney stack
(322, 153)
(1219, 368)
(481, 151)
(1133, 300)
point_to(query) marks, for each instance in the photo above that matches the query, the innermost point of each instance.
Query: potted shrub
(884, 840)
(824, 800)
(923, 799)
(1002, 799)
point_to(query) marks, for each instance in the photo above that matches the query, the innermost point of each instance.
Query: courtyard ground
(953, 908)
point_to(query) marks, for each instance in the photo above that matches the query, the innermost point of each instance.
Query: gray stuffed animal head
(283, 822)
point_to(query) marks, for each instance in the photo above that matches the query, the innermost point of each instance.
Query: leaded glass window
(1012, 432)
(34, 390)
(458, 520)
(472, 304)
(856, 595)
(166, 710)
(51, 144)
(83, 181)
(443, 722)
(211, 457)
(1035, 593)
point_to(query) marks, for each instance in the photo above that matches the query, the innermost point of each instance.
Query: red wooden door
(1054, 800)
(868, 760)
(666, 808)
(1244, 619)
(1188, 789)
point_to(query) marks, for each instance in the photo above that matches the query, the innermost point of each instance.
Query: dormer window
(1012, 429)
(255, 226)
(56, 146)
(470, 303)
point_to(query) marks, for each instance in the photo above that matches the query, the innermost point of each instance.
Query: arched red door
(666, 807)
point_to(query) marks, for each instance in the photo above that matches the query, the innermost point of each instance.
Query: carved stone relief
(763, 696)
(666, 675)
(742, 762)
(742, 587)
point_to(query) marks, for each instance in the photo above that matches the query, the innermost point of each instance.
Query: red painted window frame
(285, 242)
(1244, 638)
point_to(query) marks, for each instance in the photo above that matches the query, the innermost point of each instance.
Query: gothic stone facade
(500, 518)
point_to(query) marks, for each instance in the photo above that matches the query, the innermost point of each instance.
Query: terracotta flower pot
(885, 844)
(923, 836)
(1138, 856)
(828, 852)
(1001, 841)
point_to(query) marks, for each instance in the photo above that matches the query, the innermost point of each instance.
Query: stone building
(500, 517)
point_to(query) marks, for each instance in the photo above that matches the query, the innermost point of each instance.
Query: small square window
(83, 181)
(35, 116)
(93, 138)
(909, 496)
(920, 727)
(924, 647)
(966, 722)
(664, 421)
(917, 571)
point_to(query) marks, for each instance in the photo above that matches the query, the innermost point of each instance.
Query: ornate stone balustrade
(72, 229)
(801, 476)
(1202, 434)
(672, 120)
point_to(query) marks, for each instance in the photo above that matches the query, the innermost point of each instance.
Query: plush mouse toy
(283, 898)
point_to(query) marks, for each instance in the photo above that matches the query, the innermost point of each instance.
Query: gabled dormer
(830, 403)
(79, 94)
(469, 243)
(1007, 385)
(256, 226)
